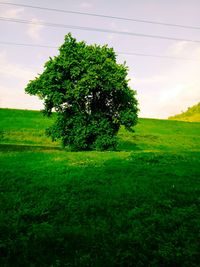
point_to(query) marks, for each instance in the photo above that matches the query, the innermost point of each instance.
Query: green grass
(138, 206)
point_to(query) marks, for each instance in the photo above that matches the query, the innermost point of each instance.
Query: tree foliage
(90, 93)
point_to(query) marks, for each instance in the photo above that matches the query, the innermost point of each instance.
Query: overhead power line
(56, 25)
(117, 52)
(27, 45)
(104, 16)
(157, 56)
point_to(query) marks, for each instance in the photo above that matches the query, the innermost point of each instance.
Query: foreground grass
(139, 206)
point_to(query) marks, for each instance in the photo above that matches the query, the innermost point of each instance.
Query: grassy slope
(139, 206)
(191, 114)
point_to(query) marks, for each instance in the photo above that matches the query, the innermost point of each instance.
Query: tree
(90, 93)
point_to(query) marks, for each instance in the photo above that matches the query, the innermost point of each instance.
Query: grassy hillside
(138, 206)
(192, 114)
(20, 127)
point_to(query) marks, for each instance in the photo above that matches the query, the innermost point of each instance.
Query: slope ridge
(191, 114)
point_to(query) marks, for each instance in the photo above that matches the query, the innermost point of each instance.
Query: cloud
(112, 36)
(86, 5)
(14, 78)
(178, 48)
(150, 80)
(12, 13)
(12, 98)
(175, 88)
(10, 70)
(34, 30)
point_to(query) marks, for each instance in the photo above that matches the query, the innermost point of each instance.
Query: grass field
(138, 206)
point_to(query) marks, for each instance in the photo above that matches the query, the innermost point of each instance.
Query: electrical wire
(56, 25)
(117, 52)
(103, 16)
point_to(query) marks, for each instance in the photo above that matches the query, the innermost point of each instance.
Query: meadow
(137, 206)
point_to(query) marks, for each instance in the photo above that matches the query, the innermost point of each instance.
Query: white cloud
(14, 78)
(175, 88)
(34, 30)
(150, 80)
(14, 98)
(178, 48)
(12, 13)
(112, 36)
(86, 5)
(185, 50)
(9, 70)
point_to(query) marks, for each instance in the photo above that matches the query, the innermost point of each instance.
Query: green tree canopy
(90, 93)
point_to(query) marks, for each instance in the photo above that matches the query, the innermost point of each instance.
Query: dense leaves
(90, 93)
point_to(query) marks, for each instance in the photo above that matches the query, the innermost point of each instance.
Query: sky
(164, 86)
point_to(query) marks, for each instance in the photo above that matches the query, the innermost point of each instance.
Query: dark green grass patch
(142, 210)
